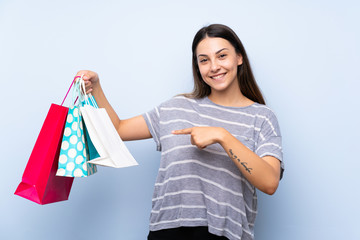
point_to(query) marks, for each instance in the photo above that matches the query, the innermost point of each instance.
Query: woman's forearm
(129, 129)
(102, 102)
(263, 173)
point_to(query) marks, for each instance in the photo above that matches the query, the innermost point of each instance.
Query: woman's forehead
(211, 45)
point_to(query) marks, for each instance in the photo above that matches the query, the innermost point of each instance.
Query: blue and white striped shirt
(204, 187)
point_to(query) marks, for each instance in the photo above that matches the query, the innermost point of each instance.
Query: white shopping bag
(105, 138)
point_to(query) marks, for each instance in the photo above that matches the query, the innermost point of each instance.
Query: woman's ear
(239, 59)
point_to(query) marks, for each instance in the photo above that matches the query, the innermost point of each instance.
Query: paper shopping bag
(39, 182)
(74, 154)
(93, 153)
(112, 150)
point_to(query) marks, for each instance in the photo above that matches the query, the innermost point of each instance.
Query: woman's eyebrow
(221, 50)
(217, 52)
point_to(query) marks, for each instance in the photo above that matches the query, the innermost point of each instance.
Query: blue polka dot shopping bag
(74, 152)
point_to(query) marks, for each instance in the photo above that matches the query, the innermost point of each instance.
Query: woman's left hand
(202, 136)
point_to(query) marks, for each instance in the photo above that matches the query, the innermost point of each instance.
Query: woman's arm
(130, 129)
(263, 173)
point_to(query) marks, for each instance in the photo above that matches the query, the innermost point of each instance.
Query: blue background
(305, 56)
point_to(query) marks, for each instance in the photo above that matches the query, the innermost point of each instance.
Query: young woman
(218, 144)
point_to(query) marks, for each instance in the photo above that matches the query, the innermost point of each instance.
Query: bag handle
(72, 83)
(87, 96)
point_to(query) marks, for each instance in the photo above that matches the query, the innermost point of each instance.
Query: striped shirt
(204, 187)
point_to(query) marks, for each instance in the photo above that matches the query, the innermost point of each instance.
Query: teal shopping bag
(76, 145)
(93, 153)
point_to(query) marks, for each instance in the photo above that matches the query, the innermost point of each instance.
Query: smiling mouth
(216, 77)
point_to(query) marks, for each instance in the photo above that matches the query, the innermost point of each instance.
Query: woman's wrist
(222, 136)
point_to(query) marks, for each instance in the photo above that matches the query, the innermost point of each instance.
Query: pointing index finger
(182, 131)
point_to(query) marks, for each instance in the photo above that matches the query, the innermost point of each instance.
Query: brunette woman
(218, 144)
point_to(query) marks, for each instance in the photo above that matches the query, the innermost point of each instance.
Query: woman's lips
(218, 76)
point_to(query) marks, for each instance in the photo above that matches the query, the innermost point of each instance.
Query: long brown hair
(246, 79)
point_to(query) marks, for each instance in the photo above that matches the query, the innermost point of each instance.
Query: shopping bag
(39, 182)
(93, 153)
(111, 149)
(74, 153)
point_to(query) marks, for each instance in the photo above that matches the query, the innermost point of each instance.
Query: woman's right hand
(91, 80)
(129, 129)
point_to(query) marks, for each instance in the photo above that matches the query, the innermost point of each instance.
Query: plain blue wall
(305, 55)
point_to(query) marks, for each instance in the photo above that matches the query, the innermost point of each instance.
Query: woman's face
(218, 62)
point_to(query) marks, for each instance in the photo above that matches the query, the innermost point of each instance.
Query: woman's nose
(215, 66)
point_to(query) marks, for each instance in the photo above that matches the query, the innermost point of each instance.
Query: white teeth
(217, 77)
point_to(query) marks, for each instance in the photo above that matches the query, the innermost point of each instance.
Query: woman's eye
(203, 60)
(222, 55)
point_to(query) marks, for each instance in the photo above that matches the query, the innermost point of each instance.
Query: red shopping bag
(39, 181)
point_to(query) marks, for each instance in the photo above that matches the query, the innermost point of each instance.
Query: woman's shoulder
(262, 108)
(265, 114)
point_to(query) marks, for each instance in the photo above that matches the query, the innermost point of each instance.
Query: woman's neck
(230, 99)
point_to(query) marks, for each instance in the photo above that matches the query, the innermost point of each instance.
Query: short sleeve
(152, 119)
(270, 140)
